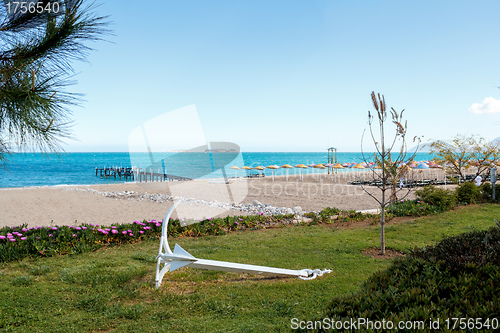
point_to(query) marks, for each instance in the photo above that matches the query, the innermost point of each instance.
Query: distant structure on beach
(137, 174)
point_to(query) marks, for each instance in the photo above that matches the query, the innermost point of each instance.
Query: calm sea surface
(35, 169)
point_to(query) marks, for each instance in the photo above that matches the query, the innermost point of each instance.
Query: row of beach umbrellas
(321, 166)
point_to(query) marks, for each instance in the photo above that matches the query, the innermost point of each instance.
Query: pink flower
(124, 232)
(141, 232)
(236, 222)
(2, 237)
(78, 228)
(114, 231)
(158, 224)
(54, 228)
(74, 235)
(50, 235)
(23, 238)
(240, 219)
(24, 229)
(212, 224)
(132, 235)
(12, 239)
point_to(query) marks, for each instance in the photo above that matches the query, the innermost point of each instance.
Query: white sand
(70, 205)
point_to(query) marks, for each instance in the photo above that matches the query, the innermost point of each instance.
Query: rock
(297, 209)
(256, 203)
(289, 211)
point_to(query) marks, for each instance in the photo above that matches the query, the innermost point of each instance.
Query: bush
(458, 277)
(438, 197)
(19, 242)
(327, 213)
(467, 193)
(471, 249)
(485, 192)
(411, 208)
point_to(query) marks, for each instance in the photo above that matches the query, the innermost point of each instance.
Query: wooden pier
(137, 174)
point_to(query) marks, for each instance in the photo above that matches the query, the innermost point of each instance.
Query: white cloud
(488, 105)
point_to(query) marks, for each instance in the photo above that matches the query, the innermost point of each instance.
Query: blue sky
(291, 75)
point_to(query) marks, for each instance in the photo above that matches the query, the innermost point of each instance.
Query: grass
(113, 289)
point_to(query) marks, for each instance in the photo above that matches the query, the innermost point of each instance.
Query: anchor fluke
(179, 258)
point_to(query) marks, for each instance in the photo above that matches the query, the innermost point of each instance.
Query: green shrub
(475, 248)
(411, 208)
(438, 197)
(467, 193)
(485, 192)
(458, 277)
(19, 242)
(326, 214)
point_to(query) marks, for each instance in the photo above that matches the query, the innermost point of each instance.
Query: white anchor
(180, 258)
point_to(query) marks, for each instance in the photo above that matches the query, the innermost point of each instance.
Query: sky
(291, 75)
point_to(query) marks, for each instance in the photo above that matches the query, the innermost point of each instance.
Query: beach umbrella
(258, 168)
(328, 165)
(273, 167)
(301, 166)
(235, 168)
(246, 168)
(358, 166)
(321, 167)
(412, 165)
(422, 166)
(312, 165)
(286, 167)
(337, 166)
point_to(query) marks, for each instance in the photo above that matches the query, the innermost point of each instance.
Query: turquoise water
(35, 169)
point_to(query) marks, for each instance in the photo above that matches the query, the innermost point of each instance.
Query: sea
(41, 169)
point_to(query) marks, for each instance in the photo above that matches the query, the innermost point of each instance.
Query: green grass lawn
(113, 289)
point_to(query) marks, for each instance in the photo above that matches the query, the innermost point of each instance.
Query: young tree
(392, 166)
(463, 152)
(38, 40)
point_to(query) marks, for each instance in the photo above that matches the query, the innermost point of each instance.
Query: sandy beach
(127, 202)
